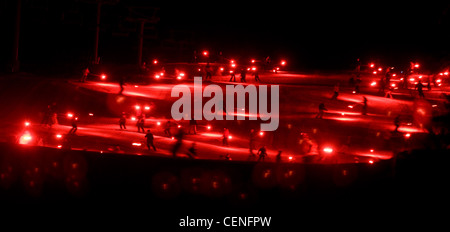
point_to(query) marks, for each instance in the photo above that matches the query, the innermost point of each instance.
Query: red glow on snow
(212, 135)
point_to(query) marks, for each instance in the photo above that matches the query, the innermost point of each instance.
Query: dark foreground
(50, 185)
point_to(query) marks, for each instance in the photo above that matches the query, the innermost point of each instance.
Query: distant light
(445, 73)
(133, 119)
(205, 53)
(103, 76)
(290, 157)
(371, 150)
(283, 62)
(208, 127)
(372, 65)
(27, 123)
(350, 106)
(407, 135)
(328, 150)
(253, 68)
(155, 61)
(370, 161)
(158, 123)
(179, 77)
(261, 133)
(137, 107)
(179, 126)
(393, 84)
(221, 69)
(416, 65)
(58, 136)
(373, 83)
(91, 114)
(380, 69)
(420, 77)
(147, 108)
(353, 91)
(232, 61)
(136, 144)
(59, 146)
(374, 72)
(394, 75)
(173, 137)
(157, 76)
(230, 137)
(25, 138)
(253, 61)
(438, 81)
(412, 79)
(69, 115)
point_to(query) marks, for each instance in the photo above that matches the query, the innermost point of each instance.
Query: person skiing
(364, 108)
(419, 88)
(192, 151)
(167, 128)
(397, 123)
(208, 71)
(150, 138)
(321, 110)
(122, 121)
(178, 143)
(243, 74)
(74, 125)
(256, 76)
(193, 126)
(233, 76)
(262, 152)
(336, 92)
(140, 123)
(85, 74)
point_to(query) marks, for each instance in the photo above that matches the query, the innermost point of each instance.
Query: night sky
(310, 35)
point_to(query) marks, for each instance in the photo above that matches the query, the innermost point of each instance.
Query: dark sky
(322, 29)
(311, 35)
